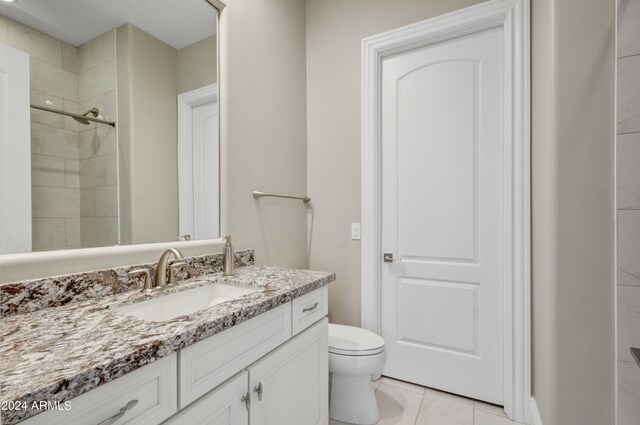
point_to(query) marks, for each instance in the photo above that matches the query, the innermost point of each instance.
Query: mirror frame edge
(38, 265)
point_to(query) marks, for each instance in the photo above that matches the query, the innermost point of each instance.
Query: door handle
(387, 257)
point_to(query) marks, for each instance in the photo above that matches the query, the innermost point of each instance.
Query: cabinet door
(290, 385)
(222, 406)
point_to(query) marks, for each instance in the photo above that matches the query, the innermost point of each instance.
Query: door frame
(513, 17)
(186, 102)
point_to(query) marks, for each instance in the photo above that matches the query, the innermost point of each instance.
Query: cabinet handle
(120, 414)
(246, 399)
(313, 307)
(258, 390)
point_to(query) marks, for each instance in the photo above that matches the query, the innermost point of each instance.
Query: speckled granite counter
(58, 353)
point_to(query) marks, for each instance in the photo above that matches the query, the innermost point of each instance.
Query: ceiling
(176, 22)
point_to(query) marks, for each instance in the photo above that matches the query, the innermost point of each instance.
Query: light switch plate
(355, 232)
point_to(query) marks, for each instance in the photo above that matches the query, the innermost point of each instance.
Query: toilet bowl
(355, 356)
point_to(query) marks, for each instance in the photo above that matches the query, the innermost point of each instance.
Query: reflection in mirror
(123, 123)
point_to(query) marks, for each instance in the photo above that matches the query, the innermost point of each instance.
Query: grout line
(420, 406)
(628, 56)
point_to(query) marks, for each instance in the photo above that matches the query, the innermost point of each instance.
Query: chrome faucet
(161, 269)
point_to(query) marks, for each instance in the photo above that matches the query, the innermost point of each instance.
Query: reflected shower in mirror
(123, 123)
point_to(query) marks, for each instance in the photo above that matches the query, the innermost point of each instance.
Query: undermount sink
(170, 306)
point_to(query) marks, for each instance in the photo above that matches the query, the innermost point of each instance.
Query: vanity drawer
(210, 362)
(309, 308)
(153, 386)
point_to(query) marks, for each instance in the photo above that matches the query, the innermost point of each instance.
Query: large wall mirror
(123, 129)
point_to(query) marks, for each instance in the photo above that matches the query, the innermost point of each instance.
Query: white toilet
(355, 356)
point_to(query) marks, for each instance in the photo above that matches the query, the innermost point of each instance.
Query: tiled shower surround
(98, 143)
(74, 197)
(628, 194)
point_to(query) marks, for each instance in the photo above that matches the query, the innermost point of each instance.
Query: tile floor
(402, 403)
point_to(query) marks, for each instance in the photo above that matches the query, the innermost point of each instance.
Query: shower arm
(71, 114)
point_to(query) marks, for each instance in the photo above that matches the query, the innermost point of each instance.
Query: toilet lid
(349, 340)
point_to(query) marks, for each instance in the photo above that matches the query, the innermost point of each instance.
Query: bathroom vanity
(258, 357)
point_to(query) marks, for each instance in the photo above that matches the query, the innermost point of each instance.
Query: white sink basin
(177, 304)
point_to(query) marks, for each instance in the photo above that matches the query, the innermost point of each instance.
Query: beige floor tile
(403, 385)
(491, 408)
(397, 406)
(445, 409)
(481, 417)
(403, 403)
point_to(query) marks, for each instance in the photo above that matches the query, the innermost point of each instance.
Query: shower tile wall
(97, 145)
(628, 194)
(73, 166)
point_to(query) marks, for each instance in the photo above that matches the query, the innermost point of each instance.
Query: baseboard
(535, 414)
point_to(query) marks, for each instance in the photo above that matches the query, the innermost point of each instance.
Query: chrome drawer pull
(120, 414)
(313, 307)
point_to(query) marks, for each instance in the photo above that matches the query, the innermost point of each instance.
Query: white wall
(573, 211)
(198, 64)
(263, 127)
(628, 203)
(335, 29)
(147, 136)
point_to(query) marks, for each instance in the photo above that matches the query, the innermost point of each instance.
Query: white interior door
(15, 152)
(442, 215)
(205, 171)
(199, 163)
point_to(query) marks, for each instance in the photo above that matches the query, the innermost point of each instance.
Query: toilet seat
(352, 341)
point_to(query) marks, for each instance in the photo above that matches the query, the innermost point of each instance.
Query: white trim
(186, 102)
(535, 413)
(513, 16)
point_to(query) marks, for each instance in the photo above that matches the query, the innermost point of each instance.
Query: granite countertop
(58, 353)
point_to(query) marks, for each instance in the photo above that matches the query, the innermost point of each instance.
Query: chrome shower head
(93, 111)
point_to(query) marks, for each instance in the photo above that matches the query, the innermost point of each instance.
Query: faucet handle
(172, 271)
(147, 278)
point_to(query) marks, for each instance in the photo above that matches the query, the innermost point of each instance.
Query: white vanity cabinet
(269, 370)
(223, 406)
(146, 396)
(290, 385)
(208, 363)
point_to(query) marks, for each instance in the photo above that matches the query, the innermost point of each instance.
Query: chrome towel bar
(257, 194)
